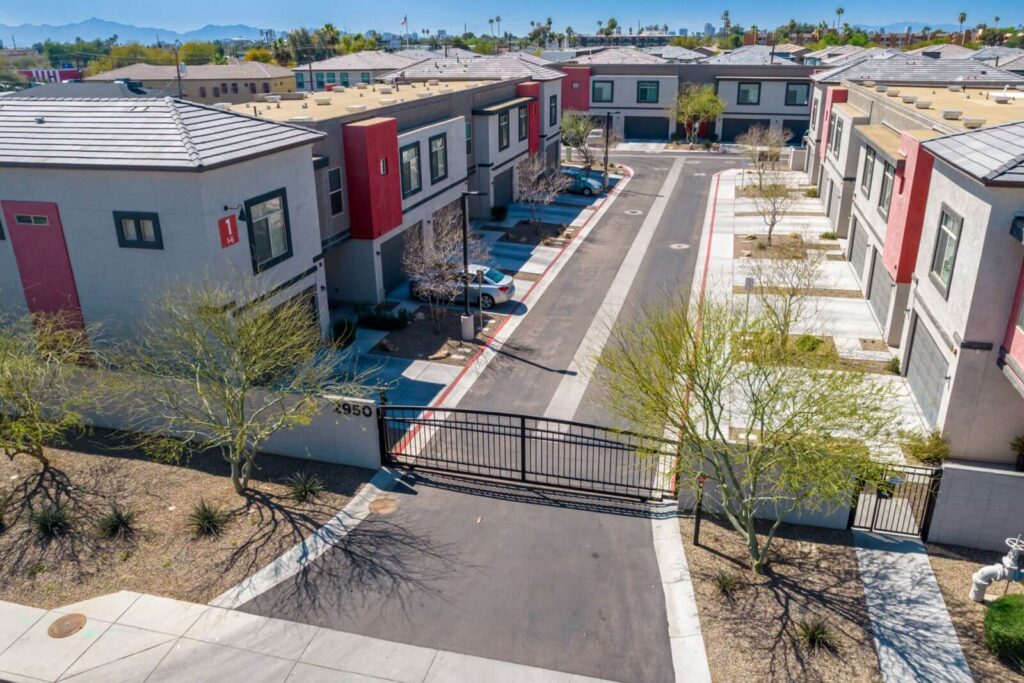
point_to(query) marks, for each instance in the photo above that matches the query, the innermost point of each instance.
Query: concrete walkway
(135, 637)
(914, 636)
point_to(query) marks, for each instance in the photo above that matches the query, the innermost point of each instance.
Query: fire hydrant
(1010, 569)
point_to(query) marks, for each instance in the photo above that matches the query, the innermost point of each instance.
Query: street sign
(228, 227)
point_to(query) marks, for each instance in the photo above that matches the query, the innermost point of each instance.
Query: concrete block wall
(978, 507)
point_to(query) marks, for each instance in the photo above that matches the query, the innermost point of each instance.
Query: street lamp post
(607, 137)
(177, 67)
(468, 328)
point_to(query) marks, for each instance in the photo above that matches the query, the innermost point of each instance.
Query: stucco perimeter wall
(978, 507)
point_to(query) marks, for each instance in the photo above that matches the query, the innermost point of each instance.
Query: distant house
(356, 67)
(208, 83)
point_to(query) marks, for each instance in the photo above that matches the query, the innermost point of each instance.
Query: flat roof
(353, 100)
(848, 109)
(971, 102)
(505, 105)
(883, 138)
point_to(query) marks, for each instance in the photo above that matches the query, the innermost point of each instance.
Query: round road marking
(679, 246)
(634, 212)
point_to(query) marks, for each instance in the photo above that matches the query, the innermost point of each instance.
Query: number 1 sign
(228, 231)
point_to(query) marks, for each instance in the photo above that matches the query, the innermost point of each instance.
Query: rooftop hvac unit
(923, 104)
(951, 114)
(356, 107)
(322, 100)
(892, 92)
(973, 122)
(223, 106)
(301, 119)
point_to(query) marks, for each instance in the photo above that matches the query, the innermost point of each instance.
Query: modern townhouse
(919, 168)
(395, 154)
(108, 203)
(208, 83)
(346, 71)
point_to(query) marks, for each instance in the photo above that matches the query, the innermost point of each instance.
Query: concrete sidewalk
(136, 637)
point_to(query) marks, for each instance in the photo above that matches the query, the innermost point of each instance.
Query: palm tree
(726, 24)
(962, 18)
(997, 22)
(570, 35)
(599, 25)
(497, 20)
(757, 33)
(839, 15)
(490, 22)
(822, 28)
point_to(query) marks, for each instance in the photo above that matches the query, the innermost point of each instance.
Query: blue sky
(385, 15)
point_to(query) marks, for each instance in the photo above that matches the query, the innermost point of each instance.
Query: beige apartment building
(208, 83)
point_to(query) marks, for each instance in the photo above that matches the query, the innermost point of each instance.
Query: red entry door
(37, 236)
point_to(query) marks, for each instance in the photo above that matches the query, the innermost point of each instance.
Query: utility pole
(607, 135)
(468, 326)
(177, 68)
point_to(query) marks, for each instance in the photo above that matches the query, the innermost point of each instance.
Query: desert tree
(772, 200)
(576, 127)
(433, 260)
(695, 106)
(784, 288)
(539, 186)
(42, 395)
(763, 149)
(221, 368)
(770, 437)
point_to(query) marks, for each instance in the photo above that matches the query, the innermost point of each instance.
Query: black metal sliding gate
(903, 505)
(528, 449)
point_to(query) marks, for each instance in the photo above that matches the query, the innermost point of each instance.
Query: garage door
(834, 198)
(646, 128)
(733, 127)
(552, 154)
(798, 127)
(858, 251)
(880, 294)
(926, 372)
(391, 259)
(503, 188)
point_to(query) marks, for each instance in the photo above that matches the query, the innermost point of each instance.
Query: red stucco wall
(532, 89)
(375, 200)
(578, 98)
(906, 211)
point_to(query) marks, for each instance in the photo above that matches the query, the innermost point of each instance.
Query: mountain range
(27, 34)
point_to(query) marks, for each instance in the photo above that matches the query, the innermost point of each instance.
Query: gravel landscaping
(161, 555)
(953, 567)
(421, 341)
(752, 636)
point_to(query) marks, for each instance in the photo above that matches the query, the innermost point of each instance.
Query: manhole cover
(67, 625)
(634, 212)
(384, 506)
(679, 246)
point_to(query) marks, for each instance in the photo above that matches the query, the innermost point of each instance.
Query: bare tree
(433, 261)
(784, 290)
(539, 186)
(763, 149)
(222, 369)
(575, 129)
(772, 200)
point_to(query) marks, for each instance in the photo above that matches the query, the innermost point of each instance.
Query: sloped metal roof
(499, 67)
(675, 53)
(620, 55)
(749, 54)
(368, 60)
(918, 70)
(139, 133)
(997, 53)
(944, 51)
(200, 72)
(993, 155)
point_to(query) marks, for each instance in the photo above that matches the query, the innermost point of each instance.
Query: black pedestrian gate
(529, 449)
(902, 505)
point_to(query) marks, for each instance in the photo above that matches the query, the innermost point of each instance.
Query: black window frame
(523, 121)
(437, 177)
(506, 125)
(318, 79)
(553, 110)
(138, 243)
(739, 91)
(343, 79)
(837, 142)
(867, 170)
(335, 192)
(888, 181)
(936, 278)
(657, 91)
(814, 113)
(364, 77)
(593, 91)
(419, 169)
(31, 219)
(282, 194)
(807, 94)
(469, 138)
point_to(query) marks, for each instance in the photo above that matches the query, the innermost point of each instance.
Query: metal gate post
(382, 441)
(929, 510)
(522, 448)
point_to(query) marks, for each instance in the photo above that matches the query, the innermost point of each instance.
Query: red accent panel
(1014, 341)
(42, 258)
(532, 89)
(576, 98)
(228, 228)
(832, 96)
(906, 211)
(375, 200)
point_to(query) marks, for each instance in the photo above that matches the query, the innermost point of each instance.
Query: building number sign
(228, 227)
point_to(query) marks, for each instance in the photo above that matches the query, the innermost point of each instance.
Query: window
(867, 171)
(602, 91)
(748, 93)
(234, 88)
(252, 88)
(270, 237)
(885, 196)
(469, 138)
(224, 88)
(502, 130)
(331, 78)
(26, 219)
(553, 110)
(365, 77)
(797, 94)
(438, 157)
(945, 250)
(300, 81)
(343, 78)
(319, 80)
(202, 91)
(814, 112)
(647, 92)
(138, 230)
(334, 190)
(266, 88)
(384, 166)
(411, 180)
(216, 91)
(524, 123)
(837, 141)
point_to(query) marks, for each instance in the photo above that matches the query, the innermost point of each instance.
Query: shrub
(894, 365)
(116, 522)
(344, 332)
(927, 447)
(304, 486)
(808, 343)
(816, 635)
(51, 521)
(829, 235)
(812, 192)
(1004, 627)
(206, 519)
(380, 318)
(727, 584)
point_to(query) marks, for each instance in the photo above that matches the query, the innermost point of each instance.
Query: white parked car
(496, 287)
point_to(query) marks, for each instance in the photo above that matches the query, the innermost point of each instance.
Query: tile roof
(498, 67)
(428, 53)
(1013, 64)
(620, 55)
(917, 70)
(749, 54)
(138, 133)
(88, 89)
(998, 53)
(674, 53)
(368, 60)
(992, 155)
(200, 72)
(834, 51)
(943, 51)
